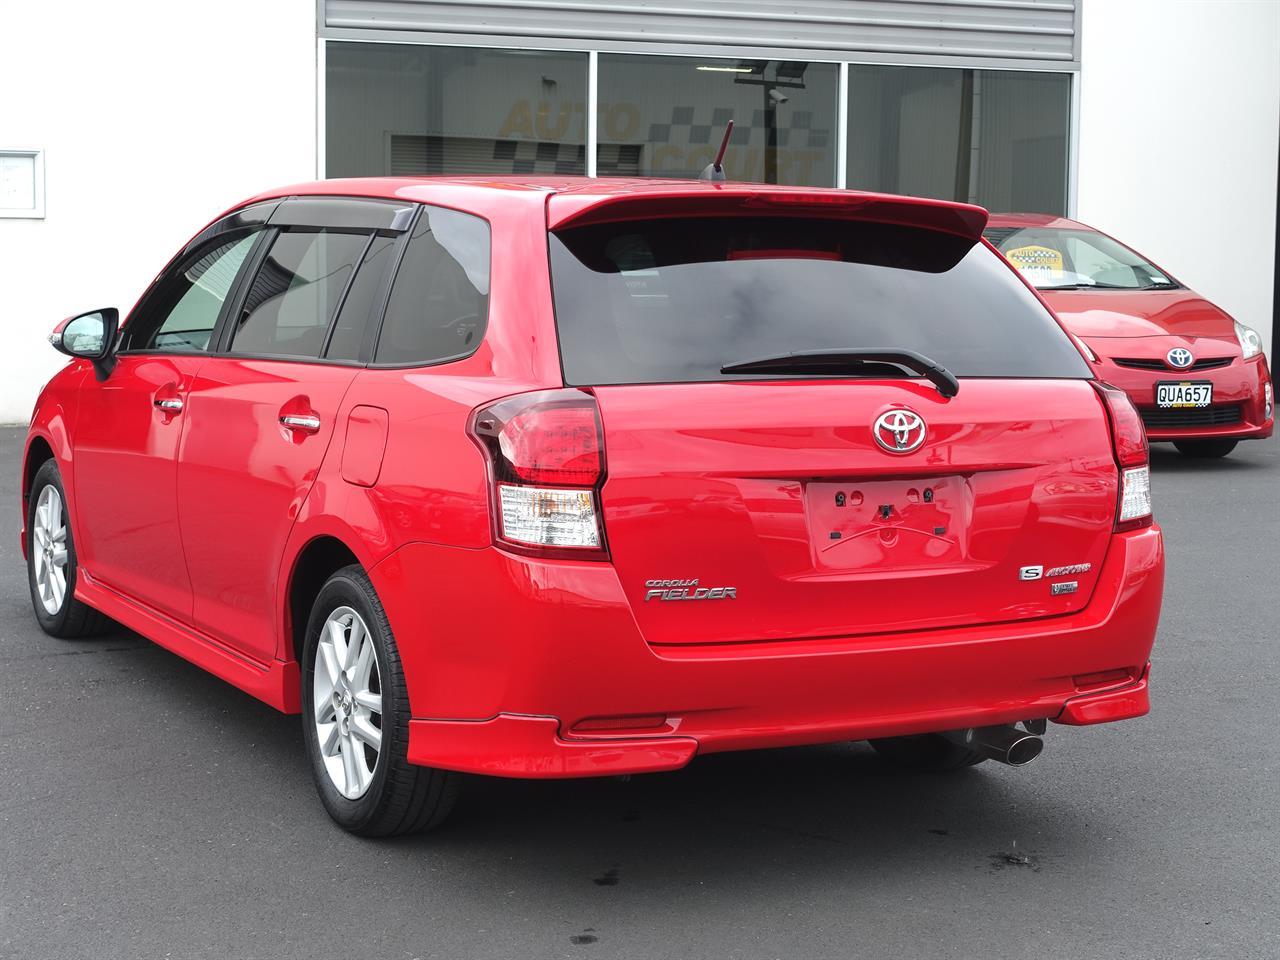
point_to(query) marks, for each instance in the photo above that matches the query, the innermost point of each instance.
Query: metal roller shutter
(1015, 30)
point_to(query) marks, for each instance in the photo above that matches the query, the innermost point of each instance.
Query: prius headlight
(1250, 341)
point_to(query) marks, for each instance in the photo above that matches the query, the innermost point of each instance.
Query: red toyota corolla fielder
(566, 478)
(1198, 377)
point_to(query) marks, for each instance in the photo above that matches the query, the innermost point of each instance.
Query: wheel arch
(39, 451)
(320, 558)
(42, 446)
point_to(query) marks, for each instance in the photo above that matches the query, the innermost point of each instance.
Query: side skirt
(275, 683)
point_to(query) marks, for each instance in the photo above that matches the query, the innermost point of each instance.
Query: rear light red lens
(1129, 444)
(555, 441)
(1128, 435)
(546, 457)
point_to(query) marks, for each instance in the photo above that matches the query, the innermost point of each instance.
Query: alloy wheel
(347, 698)
(49, 550)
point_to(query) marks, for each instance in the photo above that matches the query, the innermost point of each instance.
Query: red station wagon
(571, 477)
(1198, 377)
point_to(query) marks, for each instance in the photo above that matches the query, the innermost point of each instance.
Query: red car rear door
(262, 413)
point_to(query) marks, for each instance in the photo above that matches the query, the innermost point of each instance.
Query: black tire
(928, 752)
(1205, 449)
(401, 797)
(73, 619)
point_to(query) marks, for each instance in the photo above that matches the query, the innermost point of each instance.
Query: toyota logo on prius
(1180, 358)
(899, 431)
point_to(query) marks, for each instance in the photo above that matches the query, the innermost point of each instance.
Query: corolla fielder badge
(686, 590)
(1180, 358)
(899, 431)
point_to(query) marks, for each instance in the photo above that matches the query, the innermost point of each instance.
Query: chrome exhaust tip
(1007, 744)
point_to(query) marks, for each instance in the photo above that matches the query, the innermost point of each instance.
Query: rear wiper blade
(845, 362)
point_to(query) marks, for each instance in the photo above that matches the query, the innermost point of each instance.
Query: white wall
(1179, 118)
(154, 116)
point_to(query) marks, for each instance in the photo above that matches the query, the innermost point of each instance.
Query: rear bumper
(1237, 397)
(508, 658)
(511, 745)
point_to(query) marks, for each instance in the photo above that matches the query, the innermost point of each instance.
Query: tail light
(546, 466)
(1129, 443)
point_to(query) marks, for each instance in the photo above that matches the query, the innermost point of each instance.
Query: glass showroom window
(664, 117)
(993, 137)
(401, 109)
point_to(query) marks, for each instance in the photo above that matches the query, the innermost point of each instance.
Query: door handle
(295, 421)
(169, 404)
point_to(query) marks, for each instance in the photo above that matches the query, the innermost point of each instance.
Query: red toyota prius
(1198, 377)
(572, 478)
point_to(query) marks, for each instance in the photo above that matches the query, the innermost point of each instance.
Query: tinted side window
(359, 304)
(188, 303)
(296, 292)
(439, 303)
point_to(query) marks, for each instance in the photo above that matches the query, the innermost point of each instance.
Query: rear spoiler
(964, 220)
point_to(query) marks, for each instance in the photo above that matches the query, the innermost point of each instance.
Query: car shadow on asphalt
(1165, 459)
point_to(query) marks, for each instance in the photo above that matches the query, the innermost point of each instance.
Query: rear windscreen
(660, 301)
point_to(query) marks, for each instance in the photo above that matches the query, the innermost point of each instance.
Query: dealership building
(125, 127)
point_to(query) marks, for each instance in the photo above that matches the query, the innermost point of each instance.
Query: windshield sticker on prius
(1036, 261)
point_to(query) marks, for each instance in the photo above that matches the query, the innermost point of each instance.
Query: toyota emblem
(1180, 358)
(899, 431)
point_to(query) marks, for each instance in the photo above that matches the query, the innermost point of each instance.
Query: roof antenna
(714, 171)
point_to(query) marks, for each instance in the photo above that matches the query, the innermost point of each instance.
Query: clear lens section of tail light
(1270, 405)
(542, 516)
(1135, 494)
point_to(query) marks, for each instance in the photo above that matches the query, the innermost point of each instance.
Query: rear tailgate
(741, 508)
(779, 492)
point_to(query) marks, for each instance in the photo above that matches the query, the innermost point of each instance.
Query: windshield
(1075, 259)
(674, 300)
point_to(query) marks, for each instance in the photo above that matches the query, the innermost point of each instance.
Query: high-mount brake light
(1129, 443)
(546, 465)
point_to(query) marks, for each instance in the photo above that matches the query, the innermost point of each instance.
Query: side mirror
(90, 336)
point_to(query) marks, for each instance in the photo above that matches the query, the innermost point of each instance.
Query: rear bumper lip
(529, 747)
(514, 745)
(1106, 706)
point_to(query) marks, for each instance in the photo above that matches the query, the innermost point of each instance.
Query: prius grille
(1211, 363)
(1221, 416)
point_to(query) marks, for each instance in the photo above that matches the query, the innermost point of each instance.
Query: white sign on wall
(22, 183)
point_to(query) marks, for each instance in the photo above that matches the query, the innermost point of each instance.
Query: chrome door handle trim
(169, 404)
(296, 422)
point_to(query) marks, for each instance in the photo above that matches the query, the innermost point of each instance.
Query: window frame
(298, 214)
(343, 215)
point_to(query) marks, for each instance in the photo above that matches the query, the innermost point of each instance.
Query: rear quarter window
(439, 303)
(659, 301)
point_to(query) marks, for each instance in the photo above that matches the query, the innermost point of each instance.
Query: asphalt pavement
(150, 810)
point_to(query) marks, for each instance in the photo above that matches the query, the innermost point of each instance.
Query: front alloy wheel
(49, 550)
(51, 561)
